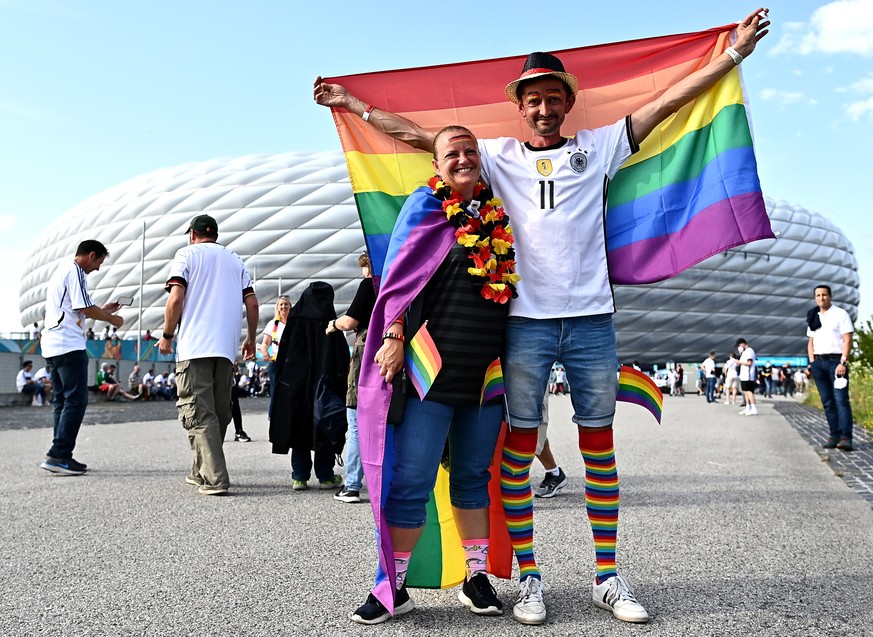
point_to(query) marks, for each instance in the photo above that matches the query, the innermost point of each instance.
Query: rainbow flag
(691, 191)
(438, 559)
(636, 387)
(423, 361)
(493, 385)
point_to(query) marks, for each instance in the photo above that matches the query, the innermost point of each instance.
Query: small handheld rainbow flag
(636, 387)
(493, 385)
(423, 361)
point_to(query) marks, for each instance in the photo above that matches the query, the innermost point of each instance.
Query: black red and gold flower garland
(483, 228)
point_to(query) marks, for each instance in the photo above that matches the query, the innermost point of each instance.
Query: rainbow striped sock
(601, 496)
(518, 454)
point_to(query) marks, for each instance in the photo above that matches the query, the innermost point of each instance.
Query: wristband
(169, 337)
(735, 55)
(366, 114)
(333, 324)
(392, 335)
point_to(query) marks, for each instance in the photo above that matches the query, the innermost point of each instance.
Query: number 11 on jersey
(547, 194)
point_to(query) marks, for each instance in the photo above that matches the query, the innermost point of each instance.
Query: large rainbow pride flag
(691, 191)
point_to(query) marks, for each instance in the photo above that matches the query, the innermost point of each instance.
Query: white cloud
(864, 85)
(786, 98)
(857, 110)
(843, 26)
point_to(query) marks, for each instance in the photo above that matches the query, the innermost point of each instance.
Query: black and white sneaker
(551, 484)
(348, 495)
(241, 436)
(479, 596)
(67, 467)
(615, 595)
(373, 612)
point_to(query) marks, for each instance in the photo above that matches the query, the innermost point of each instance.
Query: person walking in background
(68, 304)
(270, 343)
(708, 367)
(555, 478)
(747, 377)
(235, 412)
(830, 331)
(731, 379)
(208, 286)
(357, 318)
(26, 384)
(767, 379)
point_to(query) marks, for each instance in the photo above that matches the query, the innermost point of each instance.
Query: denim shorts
(418, 447)
(585, 346)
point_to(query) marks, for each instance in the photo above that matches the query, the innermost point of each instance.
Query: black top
(361, 308)
(467, 329)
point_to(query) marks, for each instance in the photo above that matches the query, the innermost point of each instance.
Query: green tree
(863, 345)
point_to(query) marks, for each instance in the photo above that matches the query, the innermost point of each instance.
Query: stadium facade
(292, 218)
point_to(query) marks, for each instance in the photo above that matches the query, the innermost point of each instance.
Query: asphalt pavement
(729, 526)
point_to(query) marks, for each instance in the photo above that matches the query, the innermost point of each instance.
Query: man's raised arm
(398, 127)
(749, 31)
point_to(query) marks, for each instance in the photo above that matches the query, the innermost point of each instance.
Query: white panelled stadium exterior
(292, 218)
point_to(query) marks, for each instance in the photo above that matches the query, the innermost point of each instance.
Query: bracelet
(735, 55)
(366, 114)
(392, 335)
(169, 337)
(333, 324)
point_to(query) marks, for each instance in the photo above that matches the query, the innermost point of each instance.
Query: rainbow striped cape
(421, 239)
(691, 191)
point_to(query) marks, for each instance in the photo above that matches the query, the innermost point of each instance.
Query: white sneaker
(529, 606)
(753, 411)
(615, 594)
(744, 412)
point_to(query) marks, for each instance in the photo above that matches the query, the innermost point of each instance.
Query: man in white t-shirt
(708, 367)
(554, 188)
(208, 287)
(830, 331)
(747, 375)
(68, 304)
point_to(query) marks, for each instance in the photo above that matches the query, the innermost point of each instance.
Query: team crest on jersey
(544, 167)
(578, 162)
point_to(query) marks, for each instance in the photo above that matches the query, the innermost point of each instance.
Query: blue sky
(95, 93)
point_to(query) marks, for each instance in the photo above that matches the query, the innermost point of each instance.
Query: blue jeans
(835, 401)
(70, 387)
(418, 447)
(710, 390)
(354, 468)
(585, 345)
(35, 388)
(301, 464)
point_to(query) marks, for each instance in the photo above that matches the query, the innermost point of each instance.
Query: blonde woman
(270, 344)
